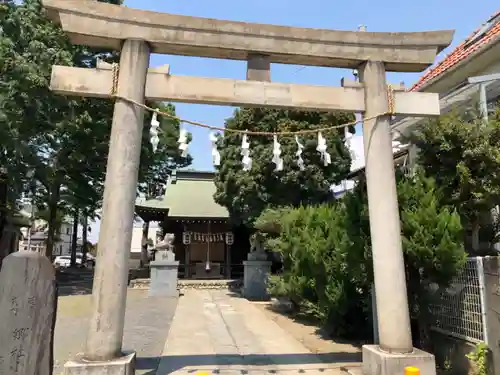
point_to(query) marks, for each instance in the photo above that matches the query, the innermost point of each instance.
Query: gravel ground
(147, 322)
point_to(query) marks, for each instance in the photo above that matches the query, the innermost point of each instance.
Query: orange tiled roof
(460, 53)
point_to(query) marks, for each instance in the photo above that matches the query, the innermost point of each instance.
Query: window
(67, 230)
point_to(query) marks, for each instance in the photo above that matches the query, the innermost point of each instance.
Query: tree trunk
(475, 236)
(144, 244)
(74, 239)
(53, 206)
(84, 239)
(3, 201)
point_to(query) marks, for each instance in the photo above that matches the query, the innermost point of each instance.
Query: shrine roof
(189, 194)
(482, 38)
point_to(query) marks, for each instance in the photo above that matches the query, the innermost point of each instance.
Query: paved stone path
(215, 332)
(147, 322)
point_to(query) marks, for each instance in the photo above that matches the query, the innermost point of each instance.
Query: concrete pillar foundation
(256, 273)
(379, 362)
(124, 365)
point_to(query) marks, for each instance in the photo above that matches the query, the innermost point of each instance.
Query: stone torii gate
(138, 33)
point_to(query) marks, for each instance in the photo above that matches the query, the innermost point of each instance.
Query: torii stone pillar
(395, 341)
(388, 265)
(105, 335)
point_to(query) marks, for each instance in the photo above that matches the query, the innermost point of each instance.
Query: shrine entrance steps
(218, 332)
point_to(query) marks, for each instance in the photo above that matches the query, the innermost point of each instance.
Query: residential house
(478, 55)
(36, 240)
(355, 145)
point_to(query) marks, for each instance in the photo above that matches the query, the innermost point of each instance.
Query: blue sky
(384, 15)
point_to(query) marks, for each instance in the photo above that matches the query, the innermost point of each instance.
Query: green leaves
(462, 152)
(64, 139)
(432, 234)
(326, 252)
(324, 262)
(247, 193)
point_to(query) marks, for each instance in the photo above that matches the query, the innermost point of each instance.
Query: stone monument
(256, 270)
(164, 269)
(28, 304)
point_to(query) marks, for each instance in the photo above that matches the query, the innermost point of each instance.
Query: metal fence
(459, 310)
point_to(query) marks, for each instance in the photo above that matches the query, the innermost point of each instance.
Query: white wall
(492, 69)
(63, 247)
(136, 245)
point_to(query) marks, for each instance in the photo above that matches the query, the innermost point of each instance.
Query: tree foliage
(326, 251)
(462, 152)
(247, 193)
(64, 140)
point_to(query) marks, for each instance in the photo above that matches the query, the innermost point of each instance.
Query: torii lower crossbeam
(218, 91)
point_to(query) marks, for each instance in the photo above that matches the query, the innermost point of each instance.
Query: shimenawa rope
(114, 94)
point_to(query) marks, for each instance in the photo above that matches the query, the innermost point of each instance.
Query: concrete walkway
(215, 332)
(147, 322)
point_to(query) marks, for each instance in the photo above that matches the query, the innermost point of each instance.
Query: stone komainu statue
(167, 243)
(165, 248)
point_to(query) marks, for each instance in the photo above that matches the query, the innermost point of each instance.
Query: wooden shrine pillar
(388, 265)
(105, 336)
(227, 248)
(187, 251)
(144, 243)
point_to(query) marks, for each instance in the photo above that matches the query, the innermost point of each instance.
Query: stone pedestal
(256, 273)
(164, 274)
(378, 362)
(119, 366)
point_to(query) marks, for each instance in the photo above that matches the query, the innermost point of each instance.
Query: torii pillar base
(124, 365)
(378, 362)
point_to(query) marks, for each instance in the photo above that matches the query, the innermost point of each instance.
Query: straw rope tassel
(390, 99)
(115, 69)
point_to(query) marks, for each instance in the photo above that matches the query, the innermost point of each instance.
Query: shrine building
(207, 246)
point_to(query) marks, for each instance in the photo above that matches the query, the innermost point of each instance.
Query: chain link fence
(459, 310)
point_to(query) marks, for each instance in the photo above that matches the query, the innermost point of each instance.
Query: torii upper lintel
(99, 24)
